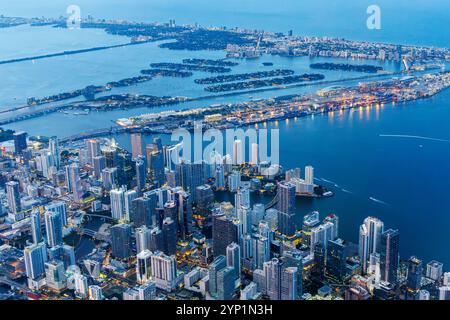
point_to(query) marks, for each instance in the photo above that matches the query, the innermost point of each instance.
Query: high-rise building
(13, 195)
(54, 228)
(309, 175)
(143, 210)
(136, 145)
(129, 197)
(288, 284)
(20, 141)
(224, 231)
(238, 152)
(147, 291)
(414, 278)
(81, 286)
(63, 253)
(121, 241)
(156, 239)
(273, 272)
(53, 146)
(234, 181)
(95, 293)
(99, 164)
(225, 283)
(110, 153)
(250, 292)
(424, 295)
(219, 263)
(74, 181)
(259, 212)
(335, 269)
(164, 271)
(369, 239)
(143, 239)
(36, 226)
(143, 265)
(93, 150)
(322, 234)
(141, 175)
(172, 156)
(61, 208)
(35, 257)
(444, 293)
(55, 275)
(169, 230)
(389, 255)
(294, 259)
(261, 250)
(255, 154)
(434, 270)
(117, 197)
(110, 178)
(286, 208)
(234, 258)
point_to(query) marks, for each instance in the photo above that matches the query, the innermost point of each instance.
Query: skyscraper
(225, 283)
(13, 195)
(81, 286)
(414, 277)
(129, 197)
(234, 259)
(60, 207)
(273, 270)
(434, 270)
(219, 263)
(117, 197)
(255, 154)
(55, 275)
(93, 150)
(140, 175)
(389, 255)
(143, 265)
(75, 181)
(110, 178)
(238, 152)
(35, 257)
(142, 211)
(261, 250)
(309, 175)
(99, 163)
(53, 146)
(335, 269)
(36, 230)
(54, 228)
(286, 208)
(143, 239)
(156, 239)
(20, 141)
(369, 239)
(224, 231)
(288, 284)
(164, 271)
(169, 230)
(95, 293)
(322, 234)
(121, 241)
(136, 145)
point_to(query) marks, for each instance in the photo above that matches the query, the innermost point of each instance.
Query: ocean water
(408, 176)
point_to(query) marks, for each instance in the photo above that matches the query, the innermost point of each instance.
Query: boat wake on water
(405, 136)
(379, 201)
(334, 184)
